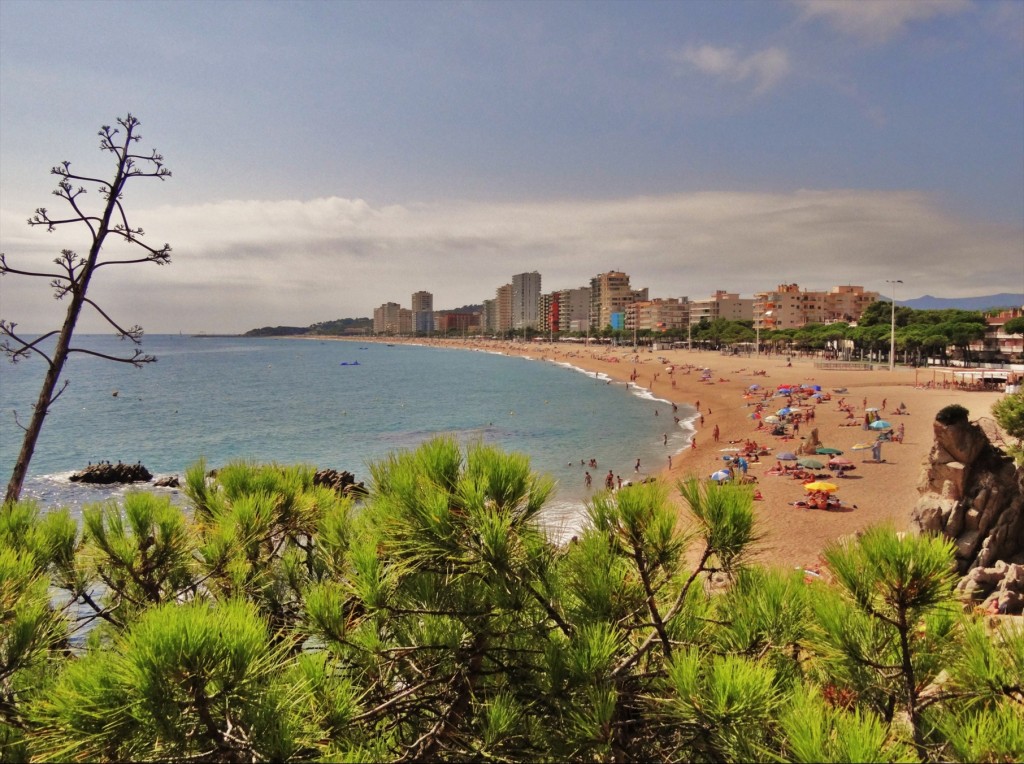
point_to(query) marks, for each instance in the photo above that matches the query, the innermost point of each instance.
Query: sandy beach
(789, 535)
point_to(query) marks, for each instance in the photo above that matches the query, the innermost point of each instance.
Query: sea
(331, 404)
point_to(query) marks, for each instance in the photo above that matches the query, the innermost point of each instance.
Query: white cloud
(877, 21)
(764, 68)
(239, 265)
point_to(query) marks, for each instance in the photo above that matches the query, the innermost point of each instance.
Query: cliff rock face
(974, 494)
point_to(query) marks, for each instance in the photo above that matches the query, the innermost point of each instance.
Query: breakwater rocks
(973, 493)
(343, 482)
(106, 473)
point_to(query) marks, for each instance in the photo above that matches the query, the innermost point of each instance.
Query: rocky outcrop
(810, 446)
(999, 588)
(973, 493)
(343, 482)
(106, 473)
(168, 481)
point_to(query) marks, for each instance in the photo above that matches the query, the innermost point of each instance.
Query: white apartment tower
(526, 300)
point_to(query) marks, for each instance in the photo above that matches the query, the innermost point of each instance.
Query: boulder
(927, 516)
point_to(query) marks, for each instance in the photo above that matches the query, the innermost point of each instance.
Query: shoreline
(872, 493)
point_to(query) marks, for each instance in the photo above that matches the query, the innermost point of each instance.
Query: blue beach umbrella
(786, 456)
(720, 476)
(783, 411)
(880, 424)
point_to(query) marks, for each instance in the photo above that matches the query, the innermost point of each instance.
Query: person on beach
(664, 439)
(670, 461)
(693, 443)
(609, 480)
(588, 480)
(715, 433)
(636, 468)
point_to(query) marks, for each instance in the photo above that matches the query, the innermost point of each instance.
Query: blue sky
(332, 156)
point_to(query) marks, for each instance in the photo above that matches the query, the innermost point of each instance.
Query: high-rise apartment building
(722, 304)
(789, 307)
(422, 312)
(550, 308)
(573, 309)
(489, 317)
(526, 300)
(503, 300)
(392, 318)
(610, 294)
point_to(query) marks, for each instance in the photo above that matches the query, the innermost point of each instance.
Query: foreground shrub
(435, 621)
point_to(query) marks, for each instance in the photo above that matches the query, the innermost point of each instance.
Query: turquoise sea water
(291, 401)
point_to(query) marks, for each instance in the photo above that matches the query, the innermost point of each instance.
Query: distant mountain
(986, 302)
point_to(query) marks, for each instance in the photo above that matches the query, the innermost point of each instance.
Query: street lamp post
(892, 321)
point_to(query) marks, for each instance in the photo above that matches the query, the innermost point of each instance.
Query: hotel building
(789, 307)
(722, 304)
(661, 314)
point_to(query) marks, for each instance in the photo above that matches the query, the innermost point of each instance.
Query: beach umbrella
(783, 411)
(872, 408)
(754, 387)
(786, 456)
(862, 446)
(811, 464)
(880, 424)
(820, 485)
(818, 395)
(720, 476)
(826, 451)
(839, 461)
(771, 419)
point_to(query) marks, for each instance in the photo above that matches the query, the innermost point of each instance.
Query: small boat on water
(349, 363)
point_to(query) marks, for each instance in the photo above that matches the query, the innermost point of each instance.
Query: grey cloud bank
(241, 264)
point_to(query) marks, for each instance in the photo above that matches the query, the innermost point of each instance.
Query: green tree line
(920, 334)
(273, 620)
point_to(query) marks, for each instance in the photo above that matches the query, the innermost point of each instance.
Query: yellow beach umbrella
(820, 485)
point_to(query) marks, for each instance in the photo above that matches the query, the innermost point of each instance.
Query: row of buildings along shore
(610, 301)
